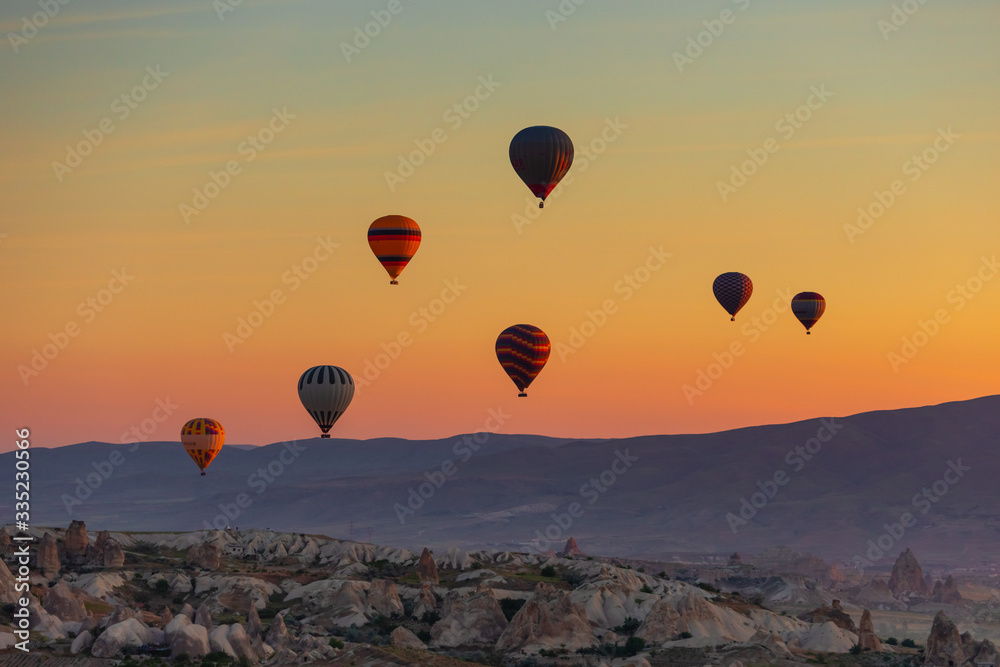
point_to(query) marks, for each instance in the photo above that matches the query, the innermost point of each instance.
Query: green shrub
(629, 626)
(162, 586)
(336, 643)
(510, 606)
(908, 643)
(891, 641)
(548, 571)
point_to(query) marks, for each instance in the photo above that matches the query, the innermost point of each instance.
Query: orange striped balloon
(394, 239)
(203, 439)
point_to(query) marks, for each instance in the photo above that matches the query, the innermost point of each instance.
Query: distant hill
(670, 493)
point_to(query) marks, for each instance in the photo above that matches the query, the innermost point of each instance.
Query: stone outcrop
(876, 594)
(203, 617)
(383, 598)
(205, 556)
(427, 569)
(112, 554)
(61, 602)
(5, 541)
(426, 602)
(548, 620)
(986, 654)
(254, 627)
(662, 624)
(571, 549)
(83, 641)
(277, 636)
(473, 620)
(75, 543)
(47, 558)
(907, 579)
(8, 595)
(190, 640)
(867, 639)
(834, 613)
(129, 632)
(165, 617)
(405, 638)
(121, 613)
(946, 592)
(944, 643)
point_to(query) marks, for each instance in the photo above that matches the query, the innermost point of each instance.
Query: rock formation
(113, 555)
(60, 601)
(203, 617)
(405, 638)
(383, 598)
(254, 627)
(277, 636)
(190, 640)
(548, 620)
(129, 632)
(907, 579)
(476, 619)
(946, 591)
(47, 558)
(427, 569)
(5, 542)
(944, 644)
(83, 641)
(205, 556)
(662, 624)
(867, 639)
(426, 602)
(571, 549)
(834, 613)
(75, 543)
(8, 595)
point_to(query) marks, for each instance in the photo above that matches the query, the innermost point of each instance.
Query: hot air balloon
(522, 351)
(732, 290)
(394, 240)
(203, 439)
(808, 307)
(326, 391)
(541, 156)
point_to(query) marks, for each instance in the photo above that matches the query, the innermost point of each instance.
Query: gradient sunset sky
(655, 134)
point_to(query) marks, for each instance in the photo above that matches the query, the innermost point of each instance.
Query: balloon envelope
(394, 239)
(541, 156)
(523, 350)
(325, 392)
(732, 290)
(808, 307)
(203, 439)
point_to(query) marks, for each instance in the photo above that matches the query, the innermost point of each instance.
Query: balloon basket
(732, 319)
(393, 282)
(522, 395)
(808, 333)
(325, 435)
(541, 204)
(202, 474)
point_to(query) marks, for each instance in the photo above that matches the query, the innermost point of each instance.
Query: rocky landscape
(253, 596)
